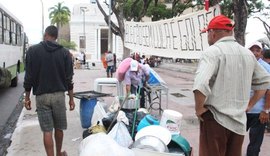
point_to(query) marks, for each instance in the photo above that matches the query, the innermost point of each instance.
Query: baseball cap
(219, 22)
(134, 65)
(256, 43)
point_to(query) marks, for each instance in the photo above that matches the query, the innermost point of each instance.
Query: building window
(82, 42)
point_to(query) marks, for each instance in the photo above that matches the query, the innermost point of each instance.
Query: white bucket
(171, 120)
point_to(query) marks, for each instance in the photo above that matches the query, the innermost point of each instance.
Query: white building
(87, 20)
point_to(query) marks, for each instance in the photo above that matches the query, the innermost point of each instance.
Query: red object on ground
(206, 5)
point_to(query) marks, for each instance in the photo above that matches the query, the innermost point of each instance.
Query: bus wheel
(14, 81)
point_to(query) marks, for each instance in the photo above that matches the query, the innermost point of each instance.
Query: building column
(98, 52)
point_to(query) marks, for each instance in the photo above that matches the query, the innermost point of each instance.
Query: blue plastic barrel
(86, 111)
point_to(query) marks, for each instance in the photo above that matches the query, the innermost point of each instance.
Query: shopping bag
(121, 135)
(98, 114)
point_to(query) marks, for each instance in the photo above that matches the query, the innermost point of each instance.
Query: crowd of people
(135, 77)
(231, 89)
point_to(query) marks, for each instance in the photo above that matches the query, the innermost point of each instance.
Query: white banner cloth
(178, 37)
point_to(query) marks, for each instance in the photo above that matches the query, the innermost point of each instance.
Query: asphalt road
(10, 109)
(9, 98)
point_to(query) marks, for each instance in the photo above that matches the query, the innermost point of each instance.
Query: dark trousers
(267, 127)
(216, 140)
(256, 134)
(135, 90)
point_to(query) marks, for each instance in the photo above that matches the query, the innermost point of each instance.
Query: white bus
(12, 48)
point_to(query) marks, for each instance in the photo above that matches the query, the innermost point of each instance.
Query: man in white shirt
(226, 73)
(110, 63)
(81, 57)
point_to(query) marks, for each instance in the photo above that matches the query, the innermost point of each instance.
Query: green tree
(134, 10)
(125, 10)
(159, 11)
(59, 15)
(239, 11)
(69, 45)
(119, 9)
(263, 16)
(179, 7)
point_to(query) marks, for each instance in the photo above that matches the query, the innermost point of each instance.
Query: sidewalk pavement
(180, 67)
(27, 137)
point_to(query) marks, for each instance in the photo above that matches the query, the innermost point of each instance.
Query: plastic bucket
(179, 145)
(147, 121)
(171, 120)
(86, 111)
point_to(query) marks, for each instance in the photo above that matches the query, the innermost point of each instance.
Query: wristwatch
(266, 111)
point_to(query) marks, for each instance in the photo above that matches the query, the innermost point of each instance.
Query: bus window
(13, 33)
(19, 35)
(6, 30)
(1, 28)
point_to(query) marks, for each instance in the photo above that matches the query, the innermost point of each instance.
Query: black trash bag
(130, 115)
(108, 121)
(86, 133)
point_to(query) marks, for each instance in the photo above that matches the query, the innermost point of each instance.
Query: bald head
(215, 34)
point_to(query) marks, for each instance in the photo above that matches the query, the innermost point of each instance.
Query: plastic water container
(147, 121)
(171, 120)
(86, 111)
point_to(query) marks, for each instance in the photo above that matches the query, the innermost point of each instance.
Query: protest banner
(178, 37)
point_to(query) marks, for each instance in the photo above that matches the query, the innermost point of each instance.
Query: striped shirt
(225, 75)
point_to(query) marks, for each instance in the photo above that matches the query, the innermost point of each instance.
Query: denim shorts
(109, 69)
(51, 111)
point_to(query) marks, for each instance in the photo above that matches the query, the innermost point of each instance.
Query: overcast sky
(30, 14)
